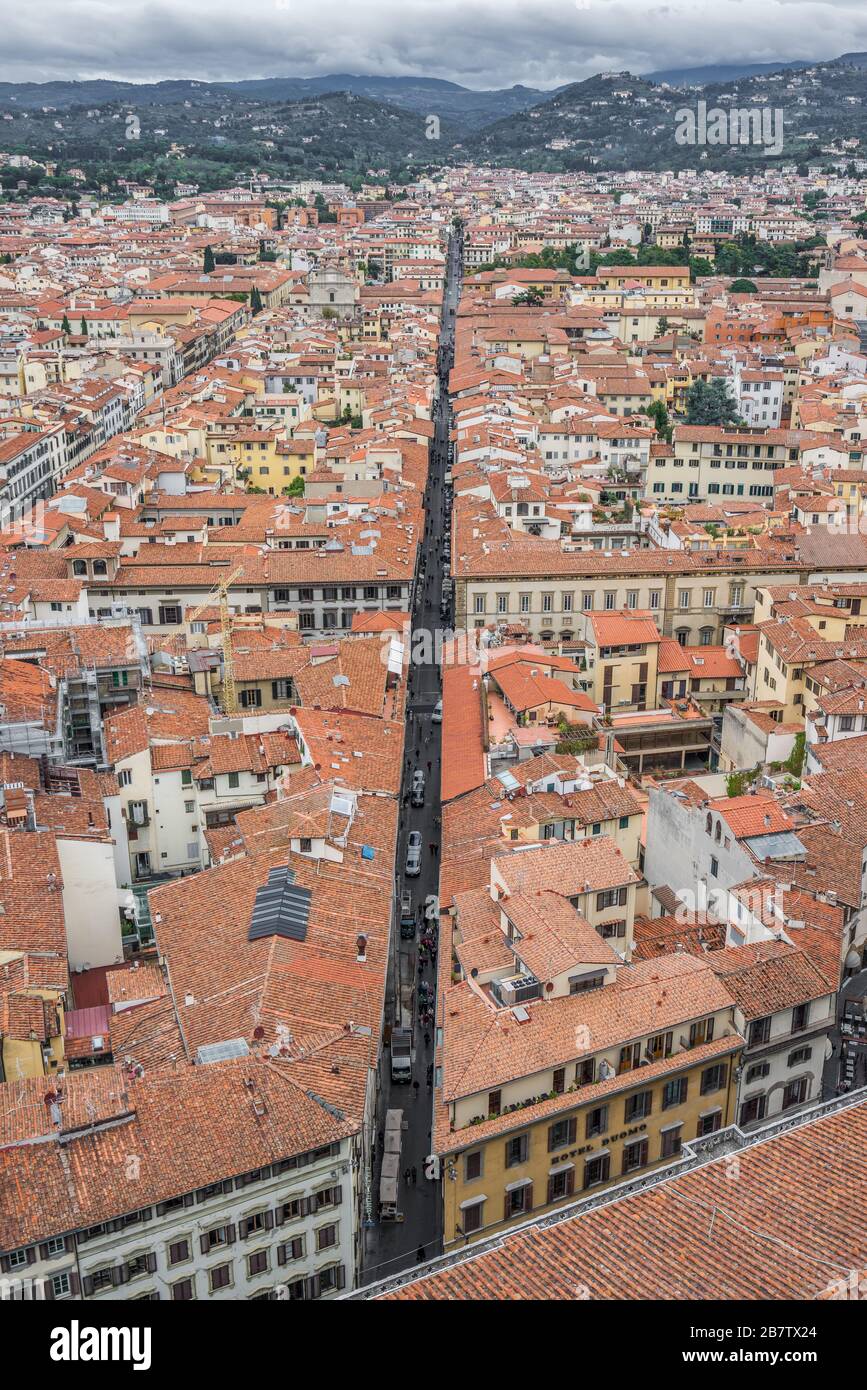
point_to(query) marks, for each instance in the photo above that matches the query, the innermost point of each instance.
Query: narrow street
(390, 1246)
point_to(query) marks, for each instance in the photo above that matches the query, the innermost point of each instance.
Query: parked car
(413, 855)
(418, 788)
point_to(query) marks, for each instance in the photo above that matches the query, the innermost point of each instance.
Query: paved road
(390, 1246)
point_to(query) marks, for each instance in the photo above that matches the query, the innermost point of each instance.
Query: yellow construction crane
(219, 596)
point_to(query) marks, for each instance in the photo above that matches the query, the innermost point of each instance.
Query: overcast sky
(480, 43)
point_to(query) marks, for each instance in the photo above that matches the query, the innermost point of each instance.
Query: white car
(412, 868)
(437, 716)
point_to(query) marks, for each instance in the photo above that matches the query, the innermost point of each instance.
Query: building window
(671, 1141)
(597, 1121)
(596, 1170)
(183, 1290)
(179, 1250)
(708, 1124)
(326, 1237)
(561, 1184)
(638, 1107)
(799, 1056)
(674, 1092)
(517, 1150)
(795, 1093)
(713, 1078)
(752, 1110)
(220, 1277)
(471, 1217)
(760, 1031)
(562, 1134)
(473, 1165)
(634, 1156)
(758, 1072)
(518, 1201)
(800, 1017)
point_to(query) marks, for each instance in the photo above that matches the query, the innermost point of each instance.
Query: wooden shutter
(314, 1286)
(4, 1264)
(550, 1189)
(570, 1181)
(74, 1284)
(231, 1233)
(528, 1197)
(43, 1250)
(152, 1263)
(297, 1248)
(204, 1243)
(573, 1130)
(550, 1140)
(88, 1286)
(31, 1255)
(48, 1288)
(338, 1195)
(341, 1277)
(269, 1220)
(281, 1254)
(507, 1211)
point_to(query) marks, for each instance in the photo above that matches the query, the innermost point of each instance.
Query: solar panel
(282, 907)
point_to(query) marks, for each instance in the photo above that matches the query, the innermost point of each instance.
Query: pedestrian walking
(415, 1088)
(434, 849)
(406, 1175)
(427, 1039)
(428, 765)
(414, 1175)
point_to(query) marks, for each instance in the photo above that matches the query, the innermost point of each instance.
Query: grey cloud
(480, 43)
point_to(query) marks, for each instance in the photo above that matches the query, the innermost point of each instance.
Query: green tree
(710, 403)
(208, 261)
(255, 300)
(295, 488)
(658, 412)
(65, 325)
(699, 268)
(742, 286)
(83, 329)
(528, 297)
(661, 327)
(795, 761)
